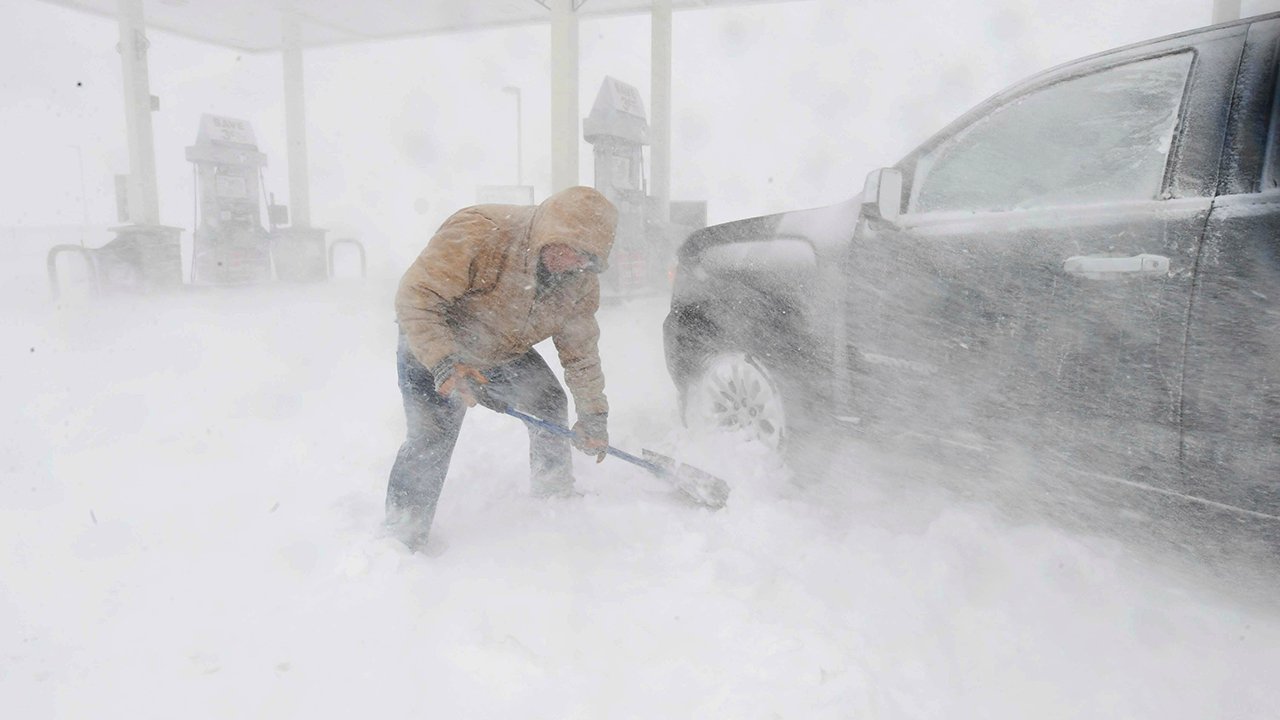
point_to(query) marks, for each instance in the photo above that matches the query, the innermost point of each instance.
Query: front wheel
(736, 393)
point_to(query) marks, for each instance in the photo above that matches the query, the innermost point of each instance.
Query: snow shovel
(701, 487)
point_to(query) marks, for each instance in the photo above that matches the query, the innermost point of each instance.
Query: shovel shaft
(566, 432)
(703, 488)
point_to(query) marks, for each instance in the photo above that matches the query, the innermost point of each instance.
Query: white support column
(1225, 11)
(660, 149)
(144, 202)
(295, 114)
(564, 95)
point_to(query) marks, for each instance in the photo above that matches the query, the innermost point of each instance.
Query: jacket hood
(579, 217)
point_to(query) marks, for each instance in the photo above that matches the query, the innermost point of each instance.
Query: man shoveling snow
(494, 281)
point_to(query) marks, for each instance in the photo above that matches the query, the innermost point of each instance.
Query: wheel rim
(735, 394)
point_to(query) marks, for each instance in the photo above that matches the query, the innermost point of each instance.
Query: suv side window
(1105, 136)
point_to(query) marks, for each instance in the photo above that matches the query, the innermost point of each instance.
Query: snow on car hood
(827, 229)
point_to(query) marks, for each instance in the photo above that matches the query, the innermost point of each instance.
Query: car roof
(1039, 77)
(1156, 40)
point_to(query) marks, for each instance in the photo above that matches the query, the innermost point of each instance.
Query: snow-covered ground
(190, 493)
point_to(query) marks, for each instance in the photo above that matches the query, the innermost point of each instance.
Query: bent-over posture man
(494, 281)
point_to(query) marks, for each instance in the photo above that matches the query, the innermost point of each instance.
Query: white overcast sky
(776, 106)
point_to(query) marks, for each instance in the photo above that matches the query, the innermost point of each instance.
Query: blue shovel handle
(566, 432)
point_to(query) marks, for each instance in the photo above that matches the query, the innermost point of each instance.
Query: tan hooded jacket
(472, 294)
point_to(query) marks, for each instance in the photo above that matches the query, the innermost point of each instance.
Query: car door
(1232, 413)
(1033, 294)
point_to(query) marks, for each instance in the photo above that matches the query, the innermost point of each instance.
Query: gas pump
(229, 246)
(618, 131)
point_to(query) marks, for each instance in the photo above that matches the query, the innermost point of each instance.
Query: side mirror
(882, 195)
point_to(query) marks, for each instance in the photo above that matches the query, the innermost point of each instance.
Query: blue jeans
(433, 423)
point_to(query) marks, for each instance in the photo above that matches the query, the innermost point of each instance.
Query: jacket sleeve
(443, 272)
(577, 342)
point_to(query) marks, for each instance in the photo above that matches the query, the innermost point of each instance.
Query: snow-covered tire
(737, 392)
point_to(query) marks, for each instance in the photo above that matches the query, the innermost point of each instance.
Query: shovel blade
(700, 486)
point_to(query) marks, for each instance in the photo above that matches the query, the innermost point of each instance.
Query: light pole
(1225, 11)
(513, 90)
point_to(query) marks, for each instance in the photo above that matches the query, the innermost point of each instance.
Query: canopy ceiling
(255, 25)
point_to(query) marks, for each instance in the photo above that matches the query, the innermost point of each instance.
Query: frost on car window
(1099, 137)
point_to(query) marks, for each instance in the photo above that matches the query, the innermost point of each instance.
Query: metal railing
(359, 246)
(51, 263)
(91, 263)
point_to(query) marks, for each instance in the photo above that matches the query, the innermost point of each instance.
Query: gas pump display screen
(230, 186)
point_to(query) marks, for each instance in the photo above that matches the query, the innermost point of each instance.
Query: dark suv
(1078, 280)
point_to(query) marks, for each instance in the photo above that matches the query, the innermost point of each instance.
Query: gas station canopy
(149, 252)
(254, 25)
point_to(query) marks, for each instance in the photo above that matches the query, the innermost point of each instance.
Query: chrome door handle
(1102, 267)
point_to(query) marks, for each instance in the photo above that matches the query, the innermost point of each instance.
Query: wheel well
(787, 352)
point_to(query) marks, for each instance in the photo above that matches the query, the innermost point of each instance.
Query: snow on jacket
(472, 295)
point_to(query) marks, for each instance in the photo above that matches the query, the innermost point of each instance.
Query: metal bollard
(51, 263)
(364, 267)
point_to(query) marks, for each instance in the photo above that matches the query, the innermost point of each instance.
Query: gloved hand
(454, 378)
(591, 434)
